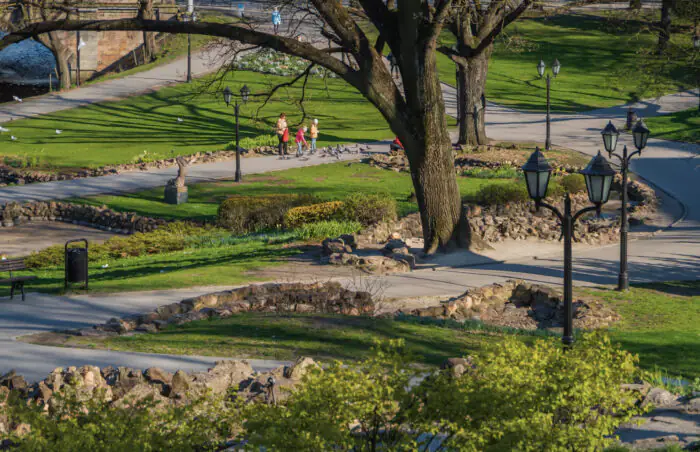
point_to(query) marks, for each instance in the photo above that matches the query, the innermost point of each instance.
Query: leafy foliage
(369, 208)
(573, 183)
(245, 214)
(171, 237)
(78, 424)
(504, 172)
(313, 213)
(501, 194)
(323, 229)
(254, 142)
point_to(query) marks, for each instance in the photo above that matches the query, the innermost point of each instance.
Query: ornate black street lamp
(599, 176)
(228, 94)
(610, 135)
(189, 16)
(556, 67)
(696, 45)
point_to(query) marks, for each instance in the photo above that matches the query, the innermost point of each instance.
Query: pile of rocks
(12, 214)
(329, 297)
(124, 386)
(518, 304)
(395, 256)
(10, 175)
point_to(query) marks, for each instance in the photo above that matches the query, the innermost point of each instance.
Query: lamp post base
(623, 282)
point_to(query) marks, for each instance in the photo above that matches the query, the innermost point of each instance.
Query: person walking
(282, 131)
(396, 145)
(301, 141)
(276, 20)
(313, 133)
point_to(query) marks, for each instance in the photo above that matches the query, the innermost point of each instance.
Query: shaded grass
(328, 182)
(661, 323)
(225, 265)
(681, 126)
(285, 337)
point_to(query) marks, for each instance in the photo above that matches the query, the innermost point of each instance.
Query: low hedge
(245, 214)
(298, 216)
(168, 238)
(369, 209)
(573, 183)
(501, 194)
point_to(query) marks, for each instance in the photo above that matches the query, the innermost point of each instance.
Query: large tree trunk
(472, 96)
(149, 39)
(52, 42)
(429, 151)
(665, 26)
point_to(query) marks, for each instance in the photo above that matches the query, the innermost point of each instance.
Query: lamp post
(556, 67)
(696, 45)
(228, 94)
(189, 16)
(610, 136)
(599, 176)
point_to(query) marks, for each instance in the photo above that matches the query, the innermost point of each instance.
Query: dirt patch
(518, 153)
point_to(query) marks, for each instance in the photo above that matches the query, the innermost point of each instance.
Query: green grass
(680, 126)
(329, 182)
(285, 337)
(121, 132)
(225, 265)
(661, 323)
(598, 60)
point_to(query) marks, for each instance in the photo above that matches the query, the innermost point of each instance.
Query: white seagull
(2, 129)
(59, 131)
(13, 138)
(17, 99)
(180, 120)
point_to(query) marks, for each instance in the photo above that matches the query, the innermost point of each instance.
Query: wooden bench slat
(12, 265)
(17, 278)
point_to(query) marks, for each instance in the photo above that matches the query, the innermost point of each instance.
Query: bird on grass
(59, 131)
(17, 99)
(13, 138)
(2, 129)
(180, 120)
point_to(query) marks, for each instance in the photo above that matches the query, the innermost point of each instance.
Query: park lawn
(147, 128)
(597, 60)
(661, 323)
(680, 126)
(333, 181)
(288, 336)
(227, 265)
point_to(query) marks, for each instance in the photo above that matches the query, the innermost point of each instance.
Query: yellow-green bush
(368, 208)
(313, 213)
(501, 193)
(171, 237)
(245, 214)
(573, 183)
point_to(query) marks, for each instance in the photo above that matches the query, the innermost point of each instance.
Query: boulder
(334, 246)
(300, 368)
(179, 385)
(659, 398)
(158, 375)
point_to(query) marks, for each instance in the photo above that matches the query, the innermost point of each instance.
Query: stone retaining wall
(12, 214)
(328, 297)
(518, 304)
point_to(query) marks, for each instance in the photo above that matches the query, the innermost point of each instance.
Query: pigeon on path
(17, 99)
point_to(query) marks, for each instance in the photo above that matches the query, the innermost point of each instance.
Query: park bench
(16, 282)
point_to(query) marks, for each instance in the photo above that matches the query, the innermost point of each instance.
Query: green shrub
(167, 238)
(323, 229)
(74, 425)
(254, 142)
(246, 214)
(313, 213)
(516, 396)
(501, 193)
(369, 208)
(504, 172)
(573, 183)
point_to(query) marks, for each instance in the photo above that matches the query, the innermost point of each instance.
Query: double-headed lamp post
(228, 94)
(610, 136)
(556, 67)
(599, 176)
(696, 45)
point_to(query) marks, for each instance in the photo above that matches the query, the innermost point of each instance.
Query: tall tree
(414, 109)
(665, 25)
(149, 39)
(475, 26)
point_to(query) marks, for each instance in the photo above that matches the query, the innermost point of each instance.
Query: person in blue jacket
(276, 20)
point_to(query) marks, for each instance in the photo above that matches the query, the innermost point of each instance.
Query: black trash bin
(76, 259)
